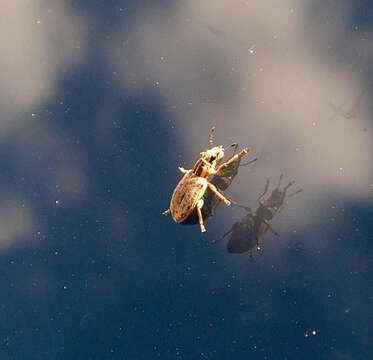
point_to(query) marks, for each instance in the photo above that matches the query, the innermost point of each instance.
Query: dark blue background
(127, 283)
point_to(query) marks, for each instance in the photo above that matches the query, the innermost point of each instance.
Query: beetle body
(222, 182)
(189, 193)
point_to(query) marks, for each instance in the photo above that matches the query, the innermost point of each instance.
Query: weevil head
(276, 197)
(208, 160)
(213, 155)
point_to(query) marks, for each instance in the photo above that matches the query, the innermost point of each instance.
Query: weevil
(190, 191)
(246, 233)
(222, 182)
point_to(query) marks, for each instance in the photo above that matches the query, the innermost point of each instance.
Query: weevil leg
(270, 227)
(227, 233)
(221, 238)
(264, 192)
(199, 213)
(251, 255)
(285, 190)
(249, 162)
(241, 206)
(235, 146)
(279, 180)
(290, 195)
(234, 158)
(295, 193)
(288, 185)
(182, 170)
(218, 194)
(167, 212)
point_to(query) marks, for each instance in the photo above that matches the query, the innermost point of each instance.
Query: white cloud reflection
(16, 222)
(251, 70)
(40, 41)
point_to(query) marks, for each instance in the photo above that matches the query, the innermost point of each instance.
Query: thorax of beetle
(203, 170)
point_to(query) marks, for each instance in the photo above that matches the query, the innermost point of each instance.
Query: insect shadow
(188, 195)
(222, 182)
(245, 234)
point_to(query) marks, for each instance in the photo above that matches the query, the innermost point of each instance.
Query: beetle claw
(166, 213)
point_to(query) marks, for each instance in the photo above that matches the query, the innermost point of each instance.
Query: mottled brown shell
(187, 193)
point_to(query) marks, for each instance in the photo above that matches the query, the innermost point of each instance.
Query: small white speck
(313, 124)
(297, 149)
(38, 21)
(64, 287)
(340, 169)
(33, 115)
(313, 332)
(157, 83)
(251, 49)
(57, 202)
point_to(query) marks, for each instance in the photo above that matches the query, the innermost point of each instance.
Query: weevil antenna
(265, 190)
(295, 193)
(279, 180)
(288, 185)
(241, 206)
(221, 238)
(235, 145)
(290, 195)
(212, 137)
(249, 162)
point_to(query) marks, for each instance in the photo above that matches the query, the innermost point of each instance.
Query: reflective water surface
(102, 101)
